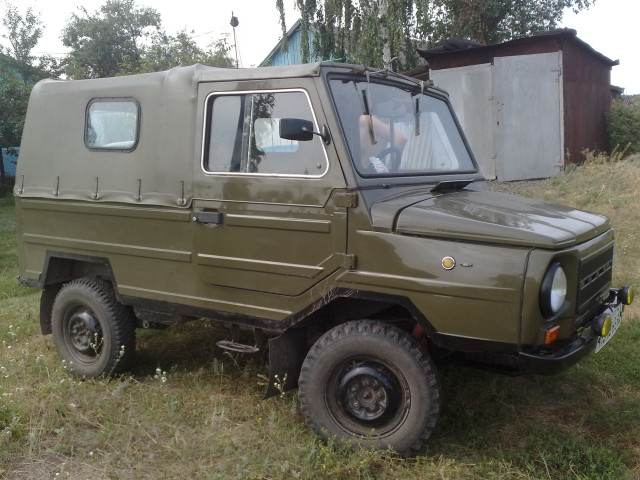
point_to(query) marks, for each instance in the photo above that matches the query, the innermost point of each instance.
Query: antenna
(234, 23)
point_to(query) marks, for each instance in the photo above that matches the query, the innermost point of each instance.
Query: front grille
(595, 276)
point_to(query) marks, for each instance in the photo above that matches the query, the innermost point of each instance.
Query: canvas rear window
(112, 124)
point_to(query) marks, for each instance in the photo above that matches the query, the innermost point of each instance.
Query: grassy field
(190, 411)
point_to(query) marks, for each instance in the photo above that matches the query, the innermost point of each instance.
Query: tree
(14, 96)
(121, 39)
(23, 33)
(219, 54)
(167, 52)
(385, 33)
(17, 77)
(108, 42)
(495, 21)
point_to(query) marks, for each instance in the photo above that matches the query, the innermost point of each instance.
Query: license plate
(616, 319)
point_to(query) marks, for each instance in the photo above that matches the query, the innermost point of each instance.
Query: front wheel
(93, 333)
(373, 383)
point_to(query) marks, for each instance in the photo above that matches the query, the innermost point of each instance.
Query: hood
(488, 217)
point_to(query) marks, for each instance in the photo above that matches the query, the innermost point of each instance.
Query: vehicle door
(270, 214)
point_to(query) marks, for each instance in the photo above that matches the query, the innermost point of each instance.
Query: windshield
(392, 130)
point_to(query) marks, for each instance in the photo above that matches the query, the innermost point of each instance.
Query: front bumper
(580, 347)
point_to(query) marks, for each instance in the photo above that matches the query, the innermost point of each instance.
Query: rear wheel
(373, 383)
(94, 333)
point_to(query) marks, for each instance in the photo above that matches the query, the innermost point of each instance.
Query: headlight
(553, 291)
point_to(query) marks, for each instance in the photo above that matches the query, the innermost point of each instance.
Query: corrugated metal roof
(503, 49)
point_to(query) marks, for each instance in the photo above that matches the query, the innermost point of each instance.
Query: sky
(257, 33)
(608, 26)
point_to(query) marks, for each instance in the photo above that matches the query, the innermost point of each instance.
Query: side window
(112, 124)
(242, 135)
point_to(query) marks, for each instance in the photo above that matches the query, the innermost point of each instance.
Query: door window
(242, 135)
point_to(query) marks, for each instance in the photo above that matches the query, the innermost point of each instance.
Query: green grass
(8, 251)
(188, 410)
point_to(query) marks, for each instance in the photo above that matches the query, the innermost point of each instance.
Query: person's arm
(381, 130)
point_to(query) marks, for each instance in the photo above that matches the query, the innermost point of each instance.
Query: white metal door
(470, 92)
(527, 93)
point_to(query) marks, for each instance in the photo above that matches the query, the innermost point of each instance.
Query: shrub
(623, 125)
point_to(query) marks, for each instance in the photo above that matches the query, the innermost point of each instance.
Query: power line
(206, 33)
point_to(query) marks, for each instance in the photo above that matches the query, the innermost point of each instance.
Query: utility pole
(234, 24)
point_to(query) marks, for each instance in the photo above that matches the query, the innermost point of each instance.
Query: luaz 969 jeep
(333, 209)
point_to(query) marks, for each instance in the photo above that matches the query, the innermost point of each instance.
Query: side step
(237, 347)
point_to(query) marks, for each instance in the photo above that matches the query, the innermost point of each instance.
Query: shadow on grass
(192, 346)
(583, 423)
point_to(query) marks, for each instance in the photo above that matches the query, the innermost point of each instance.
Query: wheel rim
(367, 393)
(83, 334)
(368, 397)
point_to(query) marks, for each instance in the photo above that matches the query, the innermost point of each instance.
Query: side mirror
(301, 130)
(296, 129)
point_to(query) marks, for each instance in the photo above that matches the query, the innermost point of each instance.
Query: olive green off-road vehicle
(335, 211)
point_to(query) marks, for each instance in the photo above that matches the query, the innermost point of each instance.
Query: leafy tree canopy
(375, 32)
(167, 52)
(23, 33)
(19, 71)
(122, 38)
(108, 42)
(14, 96)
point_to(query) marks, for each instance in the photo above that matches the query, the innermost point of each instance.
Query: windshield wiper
(366, 99)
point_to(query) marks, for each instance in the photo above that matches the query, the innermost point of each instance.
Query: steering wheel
(393, 162)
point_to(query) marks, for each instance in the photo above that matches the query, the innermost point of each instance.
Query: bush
(623, 125)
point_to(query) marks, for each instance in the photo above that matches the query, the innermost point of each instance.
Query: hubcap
(368, 393)
(84, 332)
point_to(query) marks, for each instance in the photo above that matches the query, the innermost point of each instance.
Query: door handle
(208, 218)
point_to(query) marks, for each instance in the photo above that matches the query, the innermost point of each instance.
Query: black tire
(373, 383)
(94, 333)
